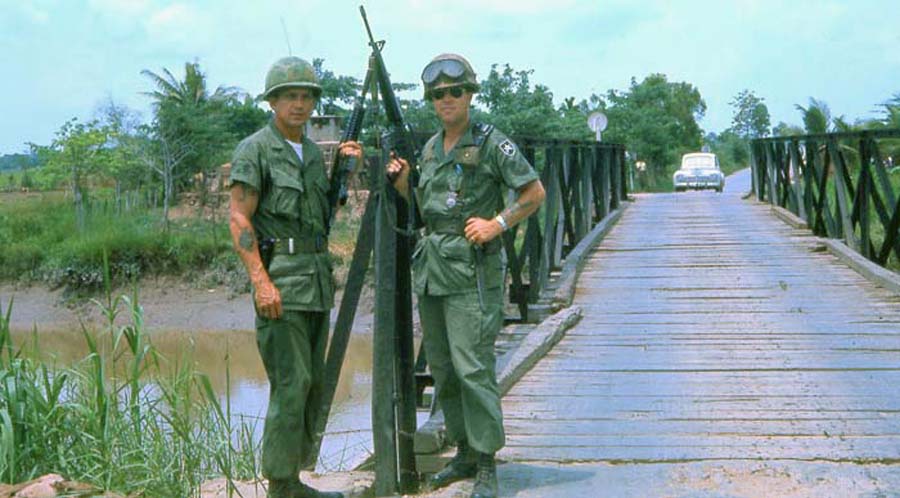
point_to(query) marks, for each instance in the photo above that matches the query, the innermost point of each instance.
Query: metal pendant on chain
(453, 194)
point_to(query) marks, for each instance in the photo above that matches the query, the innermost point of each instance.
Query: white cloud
(35, 13)
(174, 17)
(515, 7)
(121, 8)
(177, 24)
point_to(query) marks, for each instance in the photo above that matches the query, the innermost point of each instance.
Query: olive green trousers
(293, 351)
(459, 336)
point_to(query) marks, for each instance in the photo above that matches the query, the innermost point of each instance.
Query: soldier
(278, 217)
(465, 170)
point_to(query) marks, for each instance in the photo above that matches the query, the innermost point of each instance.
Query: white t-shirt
(298, 148)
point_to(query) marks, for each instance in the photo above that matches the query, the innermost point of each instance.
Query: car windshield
(692, 162)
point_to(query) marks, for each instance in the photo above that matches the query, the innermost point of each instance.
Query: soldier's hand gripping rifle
(342, 166)
(400, 135)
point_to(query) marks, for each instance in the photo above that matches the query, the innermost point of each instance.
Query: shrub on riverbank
(41, 243)
(123, 419)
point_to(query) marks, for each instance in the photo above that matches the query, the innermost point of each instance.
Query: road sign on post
(597, 122)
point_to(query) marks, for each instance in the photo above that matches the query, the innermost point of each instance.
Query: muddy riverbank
(169, 304)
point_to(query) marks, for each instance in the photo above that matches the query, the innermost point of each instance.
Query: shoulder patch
(507, 148)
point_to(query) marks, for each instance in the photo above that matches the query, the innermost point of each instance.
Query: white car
(699, 170)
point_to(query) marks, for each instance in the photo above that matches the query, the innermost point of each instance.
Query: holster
(266, 251)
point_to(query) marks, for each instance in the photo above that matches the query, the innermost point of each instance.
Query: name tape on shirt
(507, 148)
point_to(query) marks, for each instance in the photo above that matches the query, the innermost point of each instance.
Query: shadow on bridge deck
(721, 353)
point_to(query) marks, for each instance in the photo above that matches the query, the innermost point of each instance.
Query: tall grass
(124, 418)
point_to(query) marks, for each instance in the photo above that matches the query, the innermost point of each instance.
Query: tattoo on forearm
(246, 240)
(513, 213)
(511, 210)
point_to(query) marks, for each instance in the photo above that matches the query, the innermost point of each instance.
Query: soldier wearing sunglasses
(466, 169)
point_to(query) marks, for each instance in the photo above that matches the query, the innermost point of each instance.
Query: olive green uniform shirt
(465, 181)
(292, 204)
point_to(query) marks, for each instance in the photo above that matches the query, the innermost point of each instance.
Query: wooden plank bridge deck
(714, 331)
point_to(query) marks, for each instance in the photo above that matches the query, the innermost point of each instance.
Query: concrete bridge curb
(560, 293)
(535, 345)
(869, 270)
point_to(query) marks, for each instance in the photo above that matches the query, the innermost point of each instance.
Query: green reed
(125, 418)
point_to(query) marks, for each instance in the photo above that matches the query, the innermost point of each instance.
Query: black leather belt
(446, 226)
(455, 227)
(301, 245)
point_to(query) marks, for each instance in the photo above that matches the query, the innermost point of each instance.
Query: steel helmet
(450, 66)
(292, 72)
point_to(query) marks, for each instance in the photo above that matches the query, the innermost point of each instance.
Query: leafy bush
(41, 243)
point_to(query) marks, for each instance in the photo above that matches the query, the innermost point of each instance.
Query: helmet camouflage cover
(291, 72)
(442, 67)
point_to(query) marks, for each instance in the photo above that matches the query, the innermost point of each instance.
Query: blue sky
(63, 59)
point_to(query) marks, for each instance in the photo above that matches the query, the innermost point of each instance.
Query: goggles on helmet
(450, 68)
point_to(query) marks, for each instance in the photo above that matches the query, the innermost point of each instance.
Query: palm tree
(816, 117)
(891, 147)
(188, 128)
(892, 112)
(191, 91)
(841, 125)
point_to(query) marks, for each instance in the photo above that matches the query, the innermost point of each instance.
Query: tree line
(193, 129)
(751, 120)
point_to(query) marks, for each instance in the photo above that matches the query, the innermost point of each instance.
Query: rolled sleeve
(246, 166)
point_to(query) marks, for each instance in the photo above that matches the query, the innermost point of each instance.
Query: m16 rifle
(342, 167)
(400, 134)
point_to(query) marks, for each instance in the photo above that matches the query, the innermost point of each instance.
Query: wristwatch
(502, 222)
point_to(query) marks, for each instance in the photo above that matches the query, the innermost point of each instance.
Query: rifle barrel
(362, 10)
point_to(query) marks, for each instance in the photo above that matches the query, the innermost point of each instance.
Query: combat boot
(304, 491)
(280, 488)
(462, 466)
(296, 489)
(486, 480)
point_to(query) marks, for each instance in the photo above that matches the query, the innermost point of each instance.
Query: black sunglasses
(455, 91)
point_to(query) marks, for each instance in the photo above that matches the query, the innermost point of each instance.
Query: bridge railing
(844, 185)
(584, 182)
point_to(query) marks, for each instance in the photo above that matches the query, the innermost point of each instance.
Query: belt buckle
(290, 242)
